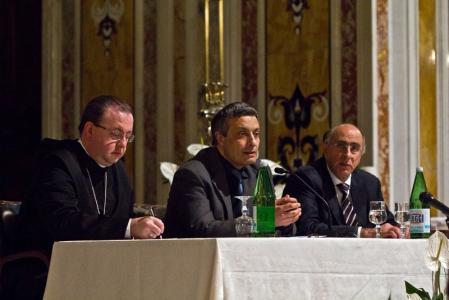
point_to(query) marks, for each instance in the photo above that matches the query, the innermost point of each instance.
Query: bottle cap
(419, 169)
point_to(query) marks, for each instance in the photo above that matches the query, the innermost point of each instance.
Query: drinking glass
(401, 215)
(377, 215)
(244, 224)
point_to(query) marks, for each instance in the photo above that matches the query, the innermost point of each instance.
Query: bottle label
(420, 220)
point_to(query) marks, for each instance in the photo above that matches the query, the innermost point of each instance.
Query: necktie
(237, 204)
(349, 214)
(240, 187)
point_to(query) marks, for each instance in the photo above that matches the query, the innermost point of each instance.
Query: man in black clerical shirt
(200, 203)
(81, 189)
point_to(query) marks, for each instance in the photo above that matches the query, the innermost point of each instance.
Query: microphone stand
(310, 188)
(428, 198)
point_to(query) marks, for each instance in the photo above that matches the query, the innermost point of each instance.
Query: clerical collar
(81, 143)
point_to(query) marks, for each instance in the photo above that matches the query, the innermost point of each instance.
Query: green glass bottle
(263, 204)
(419, 212)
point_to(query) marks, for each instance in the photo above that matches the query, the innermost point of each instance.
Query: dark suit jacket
(60, 205)
(315, 219)
(199, 203)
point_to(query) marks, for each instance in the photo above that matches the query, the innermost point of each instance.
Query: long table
(237, 268)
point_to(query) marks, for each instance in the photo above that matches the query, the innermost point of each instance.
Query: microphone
(283, 171)
(427, 198)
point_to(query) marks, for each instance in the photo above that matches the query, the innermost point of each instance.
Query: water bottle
(419, 212)
(263, 204)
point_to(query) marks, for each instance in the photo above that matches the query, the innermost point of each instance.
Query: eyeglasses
(117, 135)
(343, 147)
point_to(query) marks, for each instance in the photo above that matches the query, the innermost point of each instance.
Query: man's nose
(252, 139)
(347, 152)
(123, 141)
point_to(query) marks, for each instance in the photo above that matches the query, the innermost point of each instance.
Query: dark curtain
(20, 93)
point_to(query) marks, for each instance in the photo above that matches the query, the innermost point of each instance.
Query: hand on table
(287, 211)
(386, 231)
(146, 227)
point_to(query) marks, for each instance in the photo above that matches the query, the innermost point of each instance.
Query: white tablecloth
(251, 268)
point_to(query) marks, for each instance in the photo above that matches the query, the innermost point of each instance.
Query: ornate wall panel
(69, 128)
(249, 52)
(297, 80)
(349, 61)
(150, 103)
(107, 53)
(427, 91)
(383, 96)
(180, 80)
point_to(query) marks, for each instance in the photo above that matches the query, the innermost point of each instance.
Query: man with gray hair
(336, 199)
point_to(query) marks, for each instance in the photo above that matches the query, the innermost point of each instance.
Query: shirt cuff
(128, 230)
(359, 231)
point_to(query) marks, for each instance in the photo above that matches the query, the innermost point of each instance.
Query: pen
(152, 214)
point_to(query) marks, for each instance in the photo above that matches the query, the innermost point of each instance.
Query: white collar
(81, 143)
(337, 181)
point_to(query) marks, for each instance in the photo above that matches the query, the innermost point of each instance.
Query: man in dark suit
(345, 190)
(200, 203)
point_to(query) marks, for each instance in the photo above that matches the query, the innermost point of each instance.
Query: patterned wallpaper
(298, 74)
(383, 96)
(349, 61)
(249, 52)
(69, 128)
(150, 96)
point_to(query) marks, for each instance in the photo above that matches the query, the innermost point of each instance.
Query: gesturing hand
(287, 211)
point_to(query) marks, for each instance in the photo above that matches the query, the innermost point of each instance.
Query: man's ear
(219, 138)
(325, 145)
(88, 128)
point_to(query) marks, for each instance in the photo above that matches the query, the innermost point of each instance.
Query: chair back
(9, 211)
(22, 273)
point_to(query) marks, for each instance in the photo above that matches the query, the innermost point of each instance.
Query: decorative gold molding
(213, 37)
(51, 69)
(106, 18)
(213, 88)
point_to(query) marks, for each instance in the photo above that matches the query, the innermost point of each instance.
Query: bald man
(345, 191)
